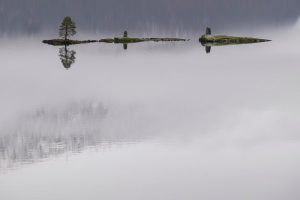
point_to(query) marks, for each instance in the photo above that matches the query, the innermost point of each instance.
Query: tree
(125, 34)
(67, 28)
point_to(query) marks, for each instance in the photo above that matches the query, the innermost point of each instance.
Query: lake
(156, 121)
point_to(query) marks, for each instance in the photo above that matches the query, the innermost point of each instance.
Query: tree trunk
(66, 33)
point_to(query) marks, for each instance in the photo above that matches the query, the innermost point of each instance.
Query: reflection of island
(67, 57)
(49, 132)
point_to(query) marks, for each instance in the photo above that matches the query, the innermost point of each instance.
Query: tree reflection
(125, 35)
(67, 57)
(125, 46)
(72, 127)
(208, 49)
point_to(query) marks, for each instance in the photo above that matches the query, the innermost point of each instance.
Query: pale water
(159, 121)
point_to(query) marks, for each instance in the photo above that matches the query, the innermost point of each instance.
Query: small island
(218, 40)
(208, 40)
(67, 29)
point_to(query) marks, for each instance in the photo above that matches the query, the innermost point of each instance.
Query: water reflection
(50, 132)
(208, 45)
(67, 57)
(207, 49)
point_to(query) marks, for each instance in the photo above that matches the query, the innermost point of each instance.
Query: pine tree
(67, 28)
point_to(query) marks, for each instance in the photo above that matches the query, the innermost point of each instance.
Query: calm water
(158, 121)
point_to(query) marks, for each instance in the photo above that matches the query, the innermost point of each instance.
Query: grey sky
(33, 16)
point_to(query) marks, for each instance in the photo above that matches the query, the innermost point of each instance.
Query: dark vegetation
(67, 28)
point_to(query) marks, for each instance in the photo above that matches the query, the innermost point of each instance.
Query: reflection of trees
(73, 127)
(125, 35)
(67, 57)
(48, 132)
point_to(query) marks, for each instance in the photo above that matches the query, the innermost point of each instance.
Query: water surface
(157, 121)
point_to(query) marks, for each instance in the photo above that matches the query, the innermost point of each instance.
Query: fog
(157, 121)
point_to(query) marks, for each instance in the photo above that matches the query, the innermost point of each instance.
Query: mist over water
(155, 121)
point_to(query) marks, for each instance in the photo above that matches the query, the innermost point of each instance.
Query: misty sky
(34, 16)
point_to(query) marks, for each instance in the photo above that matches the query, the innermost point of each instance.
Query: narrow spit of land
(219, 40)
(62, 42)
(116, 40)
